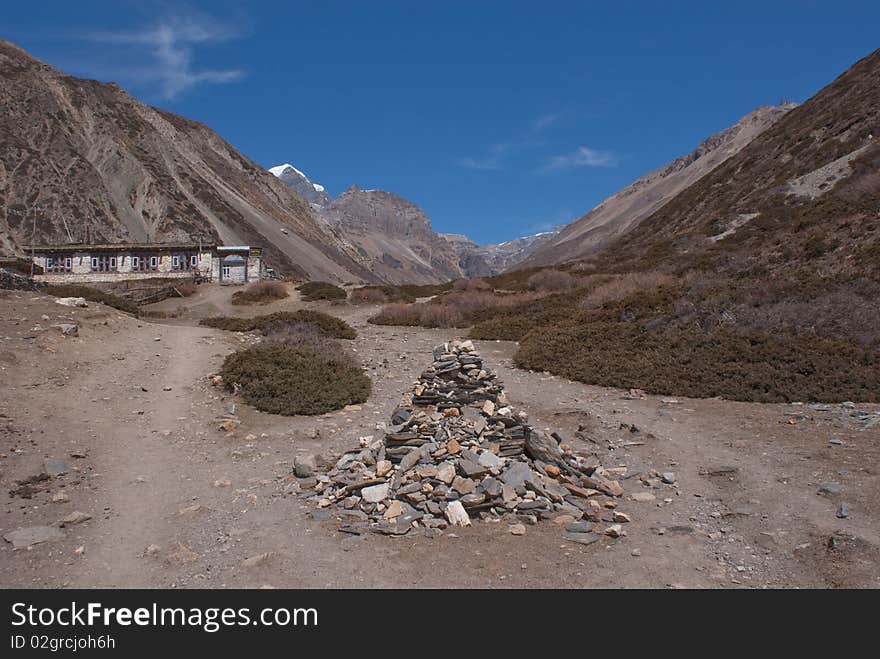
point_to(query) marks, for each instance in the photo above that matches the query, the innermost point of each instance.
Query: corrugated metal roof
(120, 247)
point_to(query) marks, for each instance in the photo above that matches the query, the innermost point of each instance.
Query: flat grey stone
(579, 527)
(582, 538)
(55, 467)
(830, 489)
(33, 535)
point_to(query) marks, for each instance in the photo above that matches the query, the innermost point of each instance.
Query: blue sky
(500, 119)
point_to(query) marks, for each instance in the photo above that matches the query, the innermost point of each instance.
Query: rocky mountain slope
(626, 208)
(800, 201)
(785, 235)
(481, 260)
(372, 220)
(394, 239)
(313, 193)
(107, 168)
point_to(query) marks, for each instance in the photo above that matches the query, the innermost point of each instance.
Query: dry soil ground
(177, 502)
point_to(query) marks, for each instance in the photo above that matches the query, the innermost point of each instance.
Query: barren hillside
(798, 203)
(108, 168)
(626, 208)
(395, 241)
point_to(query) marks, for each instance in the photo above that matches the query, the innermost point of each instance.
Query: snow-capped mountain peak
(294, 178)
(279, 170)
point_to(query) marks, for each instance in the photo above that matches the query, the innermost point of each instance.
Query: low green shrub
(278, 379)
(261, 292)
(321, 290)
(325, 323)
(736, 364)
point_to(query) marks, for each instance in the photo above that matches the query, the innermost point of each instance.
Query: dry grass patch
(92, 295)
(619, 287)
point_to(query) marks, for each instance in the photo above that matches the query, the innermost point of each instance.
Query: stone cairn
(456, 450)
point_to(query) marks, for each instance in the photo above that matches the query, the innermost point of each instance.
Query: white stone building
(70, 264)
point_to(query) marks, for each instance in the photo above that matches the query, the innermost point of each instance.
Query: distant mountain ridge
(799, 201)
(493, 259)
(625, 209)
(394, 238)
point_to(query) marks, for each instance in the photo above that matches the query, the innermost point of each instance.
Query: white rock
(615, 531)
(72, 301)
(376, 493)
(457, 515)
(490, 460)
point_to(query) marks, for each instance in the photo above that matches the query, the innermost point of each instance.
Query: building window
(227, 271)
(135, 263)
(184, 261)
(59, 264)
(154, 263)
(103, 264)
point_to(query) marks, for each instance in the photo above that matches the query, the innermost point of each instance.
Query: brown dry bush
(735, 364)
(619, 287)
(551, 280)
(261, 292)
(452, 309)
(326, 324)
(439, 315)
(419, 315)
(407, 315)
(475, 284)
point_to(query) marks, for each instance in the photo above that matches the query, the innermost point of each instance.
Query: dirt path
(177, 502)
(145, 472)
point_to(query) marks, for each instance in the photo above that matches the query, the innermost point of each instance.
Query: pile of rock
(456, 450)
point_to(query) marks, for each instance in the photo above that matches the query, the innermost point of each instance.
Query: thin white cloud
(171, 42)
(545, 121)
(484, 163)
(583, 156)
(498, 153)
(492, 161)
